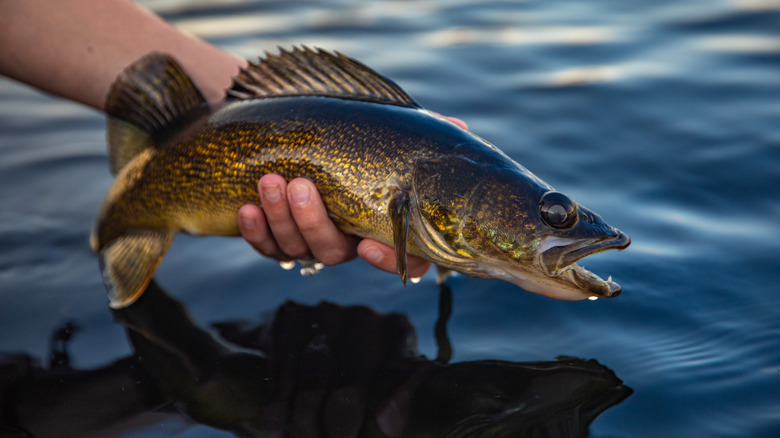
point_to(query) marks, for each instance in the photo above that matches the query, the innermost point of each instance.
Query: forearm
(76, 48)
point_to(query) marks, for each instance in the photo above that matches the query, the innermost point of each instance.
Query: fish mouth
(558, 260)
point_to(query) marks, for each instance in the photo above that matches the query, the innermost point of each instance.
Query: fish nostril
(588, 218)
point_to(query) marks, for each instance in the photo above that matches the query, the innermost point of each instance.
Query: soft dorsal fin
(145, 101)
(307, 72)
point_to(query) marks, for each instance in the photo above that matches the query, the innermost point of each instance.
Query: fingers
(454, 120)
(293, 224)
(382, 256)
(254, 229)
(274, 199)
(326, 242)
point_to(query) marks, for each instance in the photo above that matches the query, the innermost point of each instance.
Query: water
(664, 117)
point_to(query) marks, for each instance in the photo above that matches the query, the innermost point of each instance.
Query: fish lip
(560, 262)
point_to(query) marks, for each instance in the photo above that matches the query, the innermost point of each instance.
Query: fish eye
(558, 210)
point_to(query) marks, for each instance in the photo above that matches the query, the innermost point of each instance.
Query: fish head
(499, 221)
(495, 399)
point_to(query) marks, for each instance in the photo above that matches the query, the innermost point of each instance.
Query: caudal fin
(146, 100)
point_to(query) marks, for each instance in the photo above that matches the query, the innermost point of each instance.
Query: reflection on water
(324, 370)
(664, 116)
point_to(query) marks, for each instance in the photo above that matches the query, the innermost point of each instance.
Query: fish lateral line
(381, 164)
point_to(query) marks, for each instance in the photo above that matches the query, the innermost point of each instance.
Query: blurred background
(662, 116)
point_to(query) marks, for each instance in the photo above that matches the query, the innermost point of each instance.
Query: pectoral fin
(399, 216)
(128, 264)
(443, 274)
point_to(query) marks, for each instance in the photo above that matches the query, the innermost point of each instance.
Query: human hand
(293, 224)
(454, 120)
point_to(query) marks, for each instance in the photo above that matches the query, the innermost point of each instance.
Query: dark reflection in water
(325, 370)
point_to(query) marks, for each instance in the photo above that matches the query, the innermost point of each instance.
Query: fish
(385, 167)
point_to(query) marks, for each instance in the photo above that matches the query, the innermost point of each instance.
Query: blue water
(663, 117)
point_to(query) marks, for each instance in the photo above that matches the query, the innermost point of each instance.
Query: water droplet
(287, 264)
(415, 280)
(593, 298)
(309, 266)
(308, 270)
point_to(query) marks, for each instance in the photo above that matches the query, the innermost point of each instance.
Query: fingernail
(373, 255)
(272, 193)
(247, 222)
(299, 194)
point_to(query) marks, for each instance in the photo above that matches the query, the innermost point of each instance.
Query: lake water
(663, 117)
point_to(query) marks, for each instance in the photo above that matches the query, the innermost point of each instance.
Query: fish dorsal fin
(146, 100)
(307, 72)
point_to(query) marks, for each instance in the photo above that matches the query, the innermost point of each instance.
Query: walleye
(386, 169)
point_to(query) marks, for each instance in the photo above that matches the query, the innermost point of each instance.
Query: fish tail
(148, 98)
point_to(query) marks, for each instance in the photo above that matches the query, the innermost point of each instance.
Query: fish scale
(385, 168)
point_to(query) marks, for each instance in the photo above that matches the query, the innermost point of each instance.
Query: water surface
(663, 117)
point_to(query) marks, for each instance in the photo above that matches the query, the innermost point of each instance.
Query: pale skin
(75, 49)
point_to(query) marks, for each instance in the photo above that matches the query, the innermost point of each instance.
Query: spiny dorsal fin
(307, 72)
(145, 101)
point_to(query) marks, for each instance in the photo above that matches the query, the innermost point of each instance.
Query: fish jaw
(557, 259)
(549, 268)
(554, 272)
(570, 283)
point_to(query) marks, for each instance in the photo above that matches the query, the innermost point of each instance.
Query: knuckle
(265, 247)
(308, 225)
(339, 248)
(276, 213)
(333, 256)
(295, 250)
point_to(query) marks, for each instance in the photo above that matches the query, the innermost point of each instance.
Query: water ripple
(662, 116)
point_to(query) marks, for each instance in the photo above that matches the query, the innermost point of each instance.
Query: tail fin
(152, 95)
